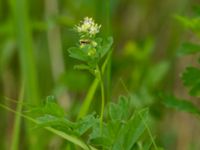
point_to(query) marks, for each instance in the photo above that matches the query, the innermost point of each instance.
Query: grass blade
(15, 139)
(25, 45)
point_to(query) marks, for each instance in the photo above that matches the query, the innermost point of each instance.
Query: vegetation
(99, 75)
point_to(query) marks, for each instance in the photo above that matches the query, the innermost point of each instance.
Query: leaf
(118, 114)
(131, 131)
(61, 124)
(52, 108)
(85, 124)
(188, 48)
(77, 53)
(101, 137)
(191, 79)
(119, 111)
(106, 45)
(190, 23)
(179, 104)
(119, 132)
(65, 136)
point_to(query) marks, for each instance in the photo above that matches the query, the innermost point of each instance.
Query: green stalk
(88, 100)
(102, 96)
(68, 137)
(16, 130)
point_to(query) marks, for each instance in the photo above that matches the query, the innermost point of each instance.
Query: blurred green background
(35, 36)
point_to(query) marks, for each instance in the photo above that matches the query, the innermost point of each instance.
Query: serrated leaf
(113, 112)
(119, 111)
(179, 104)
(77, 53)
(101, 137)
(131, 131)
(85, 124)
(188, 48)
(52, 108)
(120, 133)
(191, 79)
(65, 136)
(61, 124)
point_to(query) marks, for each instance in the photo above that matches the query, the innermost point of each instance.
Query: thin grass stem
(17, 123)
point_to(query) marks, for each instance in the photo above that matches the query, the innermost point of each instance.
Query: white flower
(88, 21)
(88, 26)
(94, 29)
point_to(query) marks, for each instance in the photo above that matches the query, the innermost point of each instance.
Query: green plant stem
(68, 137)
(16, 130)
(88, 99)
(102, 96)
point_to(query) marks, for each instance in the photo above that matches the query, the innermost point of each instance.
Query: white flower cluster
(88, 26)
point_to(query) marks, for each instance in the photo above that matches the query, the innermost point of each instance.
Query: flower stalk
(102, 96)
(91, 50)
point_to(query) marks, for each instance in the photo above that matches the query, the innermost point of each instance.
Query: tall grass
(17, 123)
(23, 33)
(25, 48)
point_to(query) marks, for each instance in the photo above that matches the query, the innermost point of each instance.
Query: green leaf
(107, 136)
(190, 23)
(106, 46)
(179, 104)
(119, 132)
(77, 53)
(61, 124)
(191, 79)
(101, 137)
(119, 111)
(52, 108)
(188, 48)
(131, 131)
(65, 136)
(85, 124)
